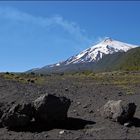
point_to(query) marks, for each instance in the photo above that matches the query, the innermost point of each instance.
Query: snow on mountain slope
(96, 52)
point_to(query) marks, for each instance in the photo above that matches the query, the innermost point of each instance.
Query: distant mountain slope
(106, 55)
(129, 60)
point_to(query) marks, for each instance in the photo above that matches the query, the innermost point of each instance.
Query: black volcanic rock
(18, 116)
(50, 108)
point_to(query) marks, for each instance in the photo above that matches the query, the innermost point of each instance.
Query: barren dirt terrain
(88, 93)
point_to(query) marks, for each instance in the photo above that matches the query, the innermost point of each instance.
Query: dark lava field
(88, 92)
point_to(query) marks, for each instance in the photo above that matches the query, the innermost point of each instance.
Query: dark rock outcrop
(47, 108)
(50, 108)
(19, 115)
(118, 111)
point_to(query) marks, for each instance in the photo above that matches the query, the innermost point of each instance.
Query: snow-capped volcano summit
(96, 52)
(87, 58)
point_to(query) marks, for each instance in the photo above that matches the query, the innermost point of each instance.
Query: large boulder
(118, 111)
(19, 115)
(50, 108)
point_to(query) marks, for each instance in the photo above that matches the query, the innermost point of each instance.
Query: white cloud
(45, 22)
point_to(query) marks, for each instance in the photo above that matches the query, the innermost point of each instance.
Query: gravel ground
(87, 96)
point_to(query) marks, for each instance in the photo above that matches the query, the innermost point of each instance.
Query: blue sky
(35, 34)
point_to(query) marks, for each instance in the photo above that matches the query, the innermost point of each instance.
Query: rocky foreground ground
(88, 92)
